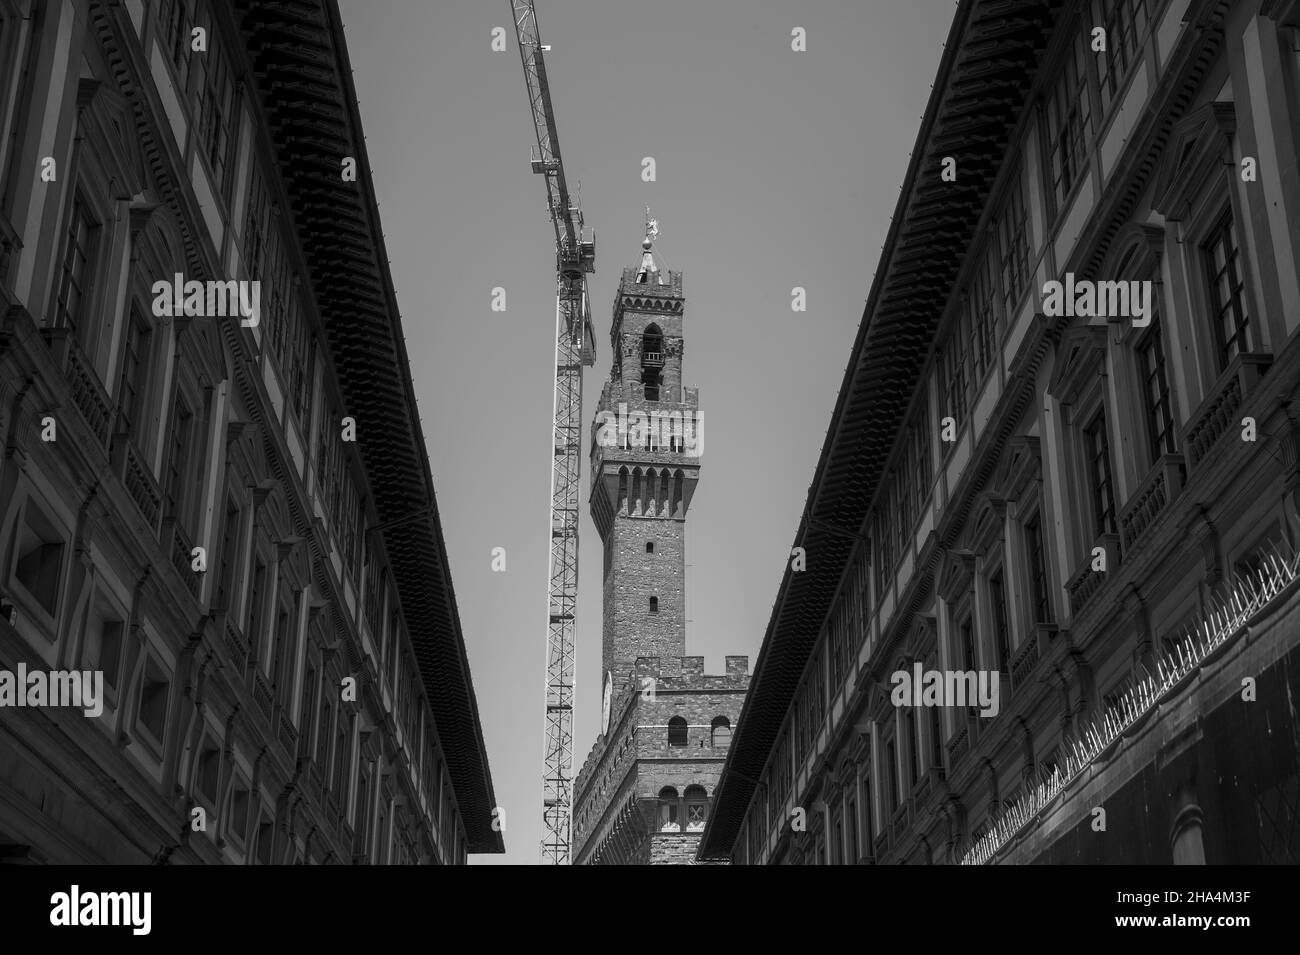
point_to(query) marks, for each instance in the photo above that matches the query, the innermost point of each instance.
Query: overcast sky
(775, 169)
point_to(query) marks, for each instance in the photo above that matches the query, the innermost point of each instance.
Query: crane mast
(575, 256)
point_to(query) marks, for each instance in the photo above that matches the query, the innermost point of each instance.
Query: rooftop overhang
(985, 75)
(302, 81)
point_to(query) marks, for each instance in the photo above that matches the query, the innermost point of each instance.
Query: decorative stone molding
(1080, 360)
(1199, 144)
(956, 574)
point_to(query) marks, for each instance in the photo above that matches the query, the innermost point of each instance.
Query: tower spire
(649, 269)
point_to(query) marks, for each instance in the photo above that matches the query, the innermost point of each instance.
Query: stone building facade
(229, 517)
(644, 792)
(1100, 510)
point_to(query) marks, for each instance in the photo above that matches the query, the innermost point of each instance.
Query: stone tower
(644, 793)
(646, 445)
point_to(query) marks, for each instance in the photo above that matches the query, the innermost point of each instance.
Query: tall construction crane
(575, 256)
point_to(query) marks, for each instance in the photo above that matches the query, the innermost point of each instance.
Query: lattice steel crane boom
(575, 256)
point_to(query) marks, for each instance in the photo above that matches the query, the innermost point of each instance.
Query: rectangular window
(103, 648)
(1155, 394)
(967, 645)
(324, 734)
(1001, 632)
(229, 555)
(38, 558)
(1227, 290)
(75, 269)
(206, 773)
(179, 481)
(342, 760)
(952, 375)
(175, 21)
(936, 739)
(282, 657)
(1125, 23)
(869, 833)
(374, 590)
(891, 772)
(307, 720)
(920, 459)
(852, 815)
(238, 818)
(301, 363)
(1097, 448)
(819, 689)
(152, 712)
(256, 598)
(898, 501)
(1069, 124)
(904, 497)
(833, 639)
(981, 314)
(911, 739)
(885, 560)
(255, 227)
(216, 110)
(1013, 235)
(265, 842)
(1042, 608)
(135, 367)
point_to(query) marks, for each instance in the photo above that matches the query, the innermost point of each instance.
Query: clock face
(604, 707)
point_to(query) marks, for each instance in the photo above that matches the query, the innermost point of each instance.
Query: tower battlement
(687, 673)
(662, 285)
(633, 394)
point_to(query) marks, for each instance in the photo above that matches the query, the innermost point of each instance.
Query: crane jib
(575, 257)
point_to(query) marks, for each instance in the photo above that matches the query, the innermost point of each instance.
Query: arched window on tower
(651, 479)
(677, 731)
(654, 604)
(697, 806)
(622, 490)
(665, 493)
(678, 480)
(721, 732)
(634, 503)
(669, 805)
(652, 361)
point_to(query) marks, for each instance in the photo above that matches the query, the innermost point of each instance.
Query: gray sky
(775, 169)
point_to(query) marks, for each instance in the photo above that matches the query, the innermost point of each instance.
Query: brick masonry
(623, 794)
(617, 804)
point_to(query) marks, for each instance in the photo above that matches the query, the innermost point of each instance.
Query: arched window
(665, 507)
(634, 505)
(622, 490)
(654, 604)
(721, 732)
(668, 808)
(676, 731)
(678, 480)
(649, 547)
(652, 361)
(697, 805)
(651, 479)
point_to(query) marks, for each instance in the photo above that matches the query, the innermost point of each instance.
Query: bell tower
(646, 446)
